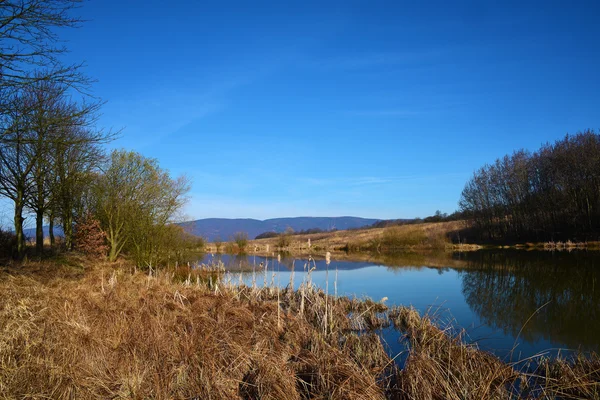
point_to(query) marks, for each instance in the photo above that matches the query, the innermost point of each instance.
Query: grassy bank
(382, 242)
(418, 237)
(82, 329)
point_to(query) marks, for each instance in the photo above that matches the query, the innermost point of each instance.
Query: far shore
(380, 243)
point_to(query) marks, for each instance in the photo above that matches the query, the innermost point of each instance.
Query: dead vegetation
(425, 236)
(74, 331)
(375, 243)
(116, 334)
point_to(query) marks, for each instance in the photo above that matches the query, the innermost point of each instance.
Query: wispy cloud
(163, 109)
(160, 112)
(343, 182)
(369, 180)
(374, 180)
(401, 113)
(381, 59)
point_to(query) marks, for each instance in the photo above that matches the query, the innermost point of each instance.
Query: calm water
(532, 302)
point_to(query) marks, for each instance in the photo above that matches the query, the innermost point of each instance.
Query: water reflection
(549, 295)
(249, 262)
(540, 300)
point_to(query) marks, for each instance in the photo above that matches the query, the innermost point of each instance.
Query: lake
(514, 303)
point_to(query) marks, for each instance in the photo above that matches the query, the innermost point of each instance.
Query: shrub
(241, 239)
(284, 240)
(177, 245)
(218, 243)
(229, 248)
(8, 242)
(89, 237)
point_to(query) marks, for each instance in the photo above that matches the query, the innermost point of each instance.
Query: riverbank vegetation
(78, 328)
(552, 194)
(48, 137)
(53, 163)
(386, 240)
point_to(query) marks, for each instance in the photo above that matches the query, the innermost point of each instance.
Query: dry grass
(576, 377)
(115, 334)
(74, 331)
(448, 236)
(441, 366)
(383, 240)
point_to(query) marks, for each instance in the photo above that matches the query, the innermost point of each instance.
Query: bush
(241, 239)
(179, 245)
(169, 243)
(284, 240)
(218, 243)
(8, 242)
(229, 248)
(89, 238)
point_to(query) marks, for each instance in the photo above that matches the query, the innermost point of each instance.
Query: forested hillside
(551, 194)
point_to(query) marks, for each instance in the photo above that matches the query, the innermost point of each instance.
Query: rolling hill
(224, 228)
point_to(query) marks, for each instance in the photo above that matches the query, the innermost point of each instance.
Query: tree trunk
(51, 231)
(19, 227)
(113, 253)
(68, 232)
(39, 231)
(115, 241)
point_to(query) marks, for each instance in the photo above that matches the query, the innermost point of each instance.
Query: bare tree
(33, 108)
(552, 194)
(47, 146)
(76, 159)
(16, 162)
(51, 115)
(29, 40)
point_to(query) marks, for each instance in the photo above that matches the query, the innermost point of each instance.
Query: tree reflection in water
(506, 288)
(502, 288)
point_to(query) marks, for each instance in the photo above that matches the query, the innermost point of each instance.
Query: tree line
(53, 165)
(291, 232)
(549, 195)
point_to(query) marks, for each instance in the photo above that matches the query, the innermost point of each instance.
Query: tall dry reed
(73, 332)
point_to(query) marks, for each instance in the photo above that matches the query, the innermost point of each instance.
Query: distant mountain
(224, 228)
(30, 232)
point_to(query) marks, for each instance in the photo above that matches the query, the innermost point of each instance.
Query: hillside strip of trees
(551, 194)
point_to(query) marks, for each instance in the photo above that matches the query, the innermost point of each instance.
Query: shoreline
(388, 257)
(96, 329)
(437, 237)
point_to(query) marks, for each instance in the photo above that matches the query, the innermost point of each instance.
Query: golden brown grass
(75, 331)
(441, 366)
(436, 236)
(383, 240)
(114, 334)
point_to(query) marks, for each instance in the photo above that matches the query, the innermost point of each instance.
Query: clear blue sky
(373, 109)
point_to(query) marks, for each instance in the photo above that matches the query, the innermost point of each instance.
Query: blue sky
(373, 109)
